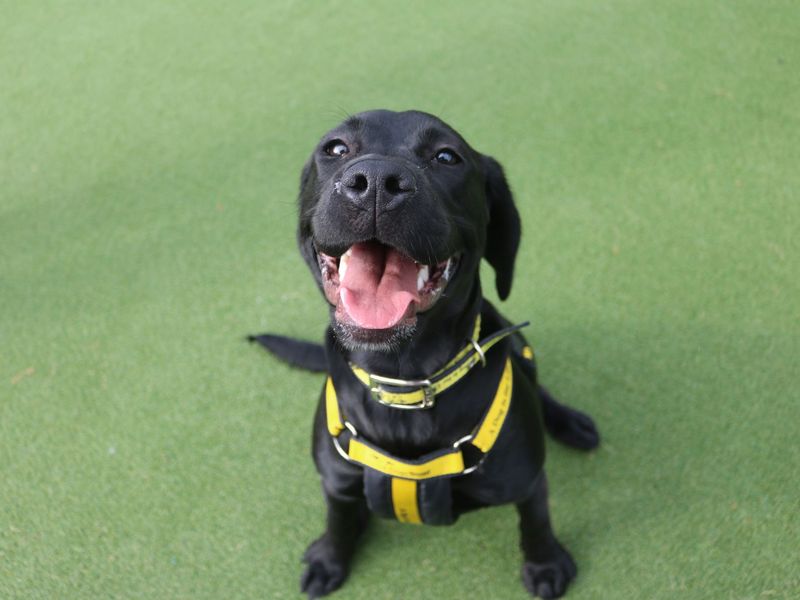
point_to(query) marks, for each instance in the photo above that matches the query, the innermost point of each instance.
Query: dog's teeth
(422, 277)
(446, 273)
(343, 263)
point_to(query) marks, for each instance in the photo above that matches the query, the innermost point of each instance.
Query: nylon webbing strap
(437, 464)
(404, 500)
(335, 424)
(489, 429)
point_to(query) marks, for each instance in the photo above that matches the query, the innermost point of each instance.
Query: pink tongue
(378, 285)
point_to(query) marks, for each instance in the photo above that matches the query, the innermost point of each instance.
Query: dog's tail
(300, 354)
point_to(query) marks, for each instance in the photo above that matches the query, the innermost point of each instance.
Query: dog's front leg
(328, 557)
(548, 567)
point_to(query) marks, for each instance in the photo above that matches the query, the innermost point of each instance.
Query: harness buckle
(377, 391)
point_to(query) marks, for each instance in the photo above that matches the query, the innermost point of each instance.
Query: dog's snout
(377, 183)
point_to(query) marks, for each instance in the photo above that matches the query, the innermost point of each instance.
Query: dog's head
(396, 212)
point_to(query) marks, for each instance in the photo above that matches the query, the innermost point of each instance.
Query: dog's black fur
(409, 181)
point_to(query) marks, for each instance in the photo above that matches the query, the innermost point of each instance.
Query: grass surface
(149, 158)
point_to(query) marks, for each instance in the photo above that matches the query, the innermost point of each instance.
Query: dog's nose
(377, 183)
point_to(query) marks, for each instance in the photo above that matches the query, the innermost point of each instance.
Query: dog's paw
(325, 571)
(549, 579)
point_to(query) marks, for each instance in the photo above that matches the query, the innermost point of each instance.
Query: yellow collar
(421, 393)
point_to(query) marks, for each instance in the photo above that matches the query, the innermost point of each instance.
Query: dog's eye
(336, 148)
(447, 157)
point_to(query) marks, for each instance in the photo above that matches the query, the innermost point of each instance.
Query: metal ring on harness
(479, 352)
(351, 428)
(465, 440)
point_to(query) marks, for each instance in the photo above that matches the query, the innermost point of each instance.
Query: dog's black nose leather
(376, 183)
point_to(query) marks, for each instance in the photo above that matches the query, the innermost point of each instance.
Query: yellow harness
(407, 475)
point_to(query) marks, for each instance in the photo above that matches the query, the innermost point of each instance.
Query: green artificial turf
(149, 160)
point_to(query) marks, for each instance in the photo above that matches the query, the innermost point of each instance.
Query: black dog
(432, 406)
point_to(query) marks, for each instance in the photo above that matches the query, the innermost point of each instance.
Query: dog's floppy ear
(503, 231)
(304, 226)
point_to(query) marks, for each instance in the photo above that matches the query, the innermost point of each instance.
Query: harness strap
(404, 500)
(422, 394)
(407, 474)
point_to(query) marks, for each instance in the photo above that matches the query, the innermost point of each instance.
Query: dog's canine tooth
(343, 263)
(446, 274)
(422, 277)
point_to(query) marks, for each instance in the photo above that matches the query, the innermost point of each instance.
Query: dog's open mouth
(375, 286)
